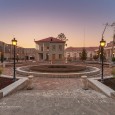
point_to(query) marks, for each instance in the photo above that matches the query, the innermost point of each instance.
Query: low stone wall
(17, 85)
(113, 95)
(98, 86)
(93, 85)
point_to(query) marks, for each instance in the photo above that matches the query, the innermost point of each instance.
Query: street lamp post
(102, 44)
(0, 57)
(17, 57)
(14, 43)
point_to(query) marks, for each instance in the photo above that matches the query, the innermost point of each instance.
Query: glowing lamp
(102, 43)
(14, 42)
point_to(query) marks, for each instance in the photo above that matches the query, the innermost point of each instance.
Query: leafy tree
(1, 70)
(95, 57)
(62, 37)
(83, 55)
(113, 59)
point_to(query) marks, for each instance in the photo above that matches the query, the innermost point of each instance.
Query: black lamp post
(0, 56)
(102, 44)
(17, 57)
(14, 43)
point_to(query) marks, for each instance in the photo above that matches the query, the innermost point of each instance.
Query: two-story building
(7, 52)
(50, 49)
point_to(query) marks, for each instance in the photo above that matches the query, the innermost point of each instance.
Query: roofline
(50, 41)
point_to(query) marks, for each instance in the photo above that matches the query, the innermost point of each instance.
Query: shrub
(95, 57)
(113, 59)
(83, 55)
(113, 71)
(1, 70)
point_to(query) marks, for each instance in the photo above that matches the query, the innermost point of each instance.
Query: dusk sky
(80, 20)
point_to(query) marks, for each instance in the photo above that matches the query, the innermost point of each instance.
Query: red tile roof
(50, 39)
(80, 48)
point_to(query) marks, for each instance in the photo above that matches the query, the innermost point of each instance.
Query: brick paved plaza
(57, 96)
(57, 56)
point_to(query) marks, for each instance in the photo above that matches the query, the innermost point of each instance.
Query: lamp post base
(14, 79)
(102, 80)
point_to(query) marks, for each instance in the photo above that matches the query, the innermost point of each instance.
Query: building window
(53, 47)
(53, 56)
(47, 47)
(60, 56)
(79, 54)
(42, 48)
(74, 55)
(60, 47)
(68, 55)
(91, 55)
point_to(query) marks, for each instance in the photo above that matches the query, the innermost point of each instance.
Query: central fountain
(58, 70)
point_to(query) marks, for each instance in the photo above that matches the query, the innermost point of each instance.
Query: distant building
(109, 51)
(7, 52)
(50, 49)
(30, 54)
(73, 53)
(19, 53)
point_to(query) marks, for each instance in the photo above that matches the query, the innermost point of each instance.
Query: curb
(21, 83)
(98, 86)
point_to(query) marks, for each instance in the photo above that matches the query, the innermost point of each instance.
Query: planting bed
(110, 82)
(5, 82)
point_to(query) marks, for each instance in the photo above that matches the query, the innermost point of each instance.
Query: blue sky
(37, 19)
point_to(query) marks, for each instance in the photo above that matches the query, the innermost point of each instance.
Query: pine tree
(83, 55)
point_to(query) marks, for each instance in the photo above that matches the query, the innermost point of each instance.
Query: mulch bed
(110, 82)
(5, 82)
(58, 68)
